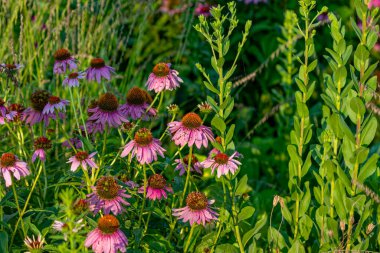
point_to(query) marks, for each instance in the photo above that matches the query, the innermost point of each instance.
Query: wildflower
(222, 163)
(144, 147)
(163, 78)
(172, 7)
(63, 227)
(63, 60)
(107, 237)
(73, 142)
(93, 127)
(99, 69)
(34, 245)
(324, 17)
(197, 209)
(41, 144)
(107, 111)
(11, 67)
(80, 206)
(182, 165)
(124, 178)
(127, 126)
(255, 1)
(72, 80)
(34, 114)
(18, 109)
(156, 188)
(82, 158)
(107, 196)
(374, 4)
(173, 109)
(55, 103)
(215, 151)
(205, 108)
(5, 114)
(190, 131)
(203, 9)
(138, 102)
(10, 164)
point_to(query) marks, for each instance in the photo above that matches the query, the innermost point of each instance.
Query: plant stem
(189, 239)
(234, 218)
(144, 198)
(188, 175)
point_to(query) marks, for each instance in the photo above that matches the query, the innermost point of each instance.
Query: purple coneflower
(18, 109)
(107, 237)
(99, 69)
(163, 78)
(11, 67)
(63, 227)
(72, 80)
(374, 4)
(138, 101)
(222, 163)
(5, 114)
(107, 196)
(107, 111)
(144, 147)
(10, 164)
(182, 165)
(34, 244)
(41, 144)
(82, 158)
(172, 7)
(55, 103)
(156, 188)
(34, 114)
(203, 9)
(73, 142)
(129, 183)
(190, 131)
(63, 60)
(197, 209)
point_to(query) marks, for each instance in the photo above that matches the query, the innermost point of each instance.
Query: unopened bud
(205, 108)
(342, 225)
(173, 109)
(330, 233)
(370, 228)
(276, 199)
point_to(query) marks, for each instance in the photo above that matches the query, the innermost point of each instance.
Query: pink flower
(82, 158)
(163, 78)
(222, 163)
(41, 144)
(10, 164)
(55, 104)
(172, 7)
(144, 147)
(138, 101)
(63, 60)
(107, 111)
(72, 80)
(18, 109)
(107, 196)
(63, 227)
(93, 127)
(156, 188)
(34, 114)
(5, 114)
(203, 9)
(197, 209)
(374, 4)
(190, 131)
(34, 244)
(182, 165)
(107, 237)
(99, 69)
(76, 142)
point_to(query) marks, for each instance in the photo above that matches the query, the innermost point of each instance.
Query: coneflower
(11, 165)
(98, 70)
(156, 188)
(72, 80)
(138, 101)
(82, 158)
(41, 144)
(163, 78)
(63, 61)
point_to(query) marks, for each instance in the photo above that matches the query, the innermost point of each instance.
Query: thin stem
(144, 198)
(189, 239)
(234, 218)
(188, 175)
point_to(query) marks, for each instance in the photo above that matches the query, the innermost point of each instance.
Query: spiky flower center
(143, 137)
(54, 100)
(81, 155)
(108, 224)
(39, 99)
(136, 96)
(17, 108)
(107, 187)
(11, 66)
(194, 160)
(161, 69)
(192, 120)
(73, 75)
(221, 158)
(62, 54)
(196, 201)
(7, 160)
(42, 143)
(80, 206)
(157, 181)
(108, 102)
(97, 63)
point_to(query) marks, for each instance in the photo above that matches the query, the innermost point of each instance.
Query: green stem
(189, 239)
(73, 107)
(144, 198)
(188, 175)
(234, 218)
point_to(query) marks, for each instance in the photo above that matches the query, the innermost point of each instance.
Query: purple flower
(10, 67)
(107, 237)
(144, 147)
(55, 104)
(41, 144)
(190, 131)
(156, 188)
(222, 163)
(182, 165)
(107, 111)
(5, 114)
(72, 80)
(34, 114)
(203, 9)
(63, 60)
(76, 142)
(163, 78)
(255, 1)
(197, 209)
(99, 69)
(82, 158)
(172, 7)
(10, 164)
(107, 196)
(138, 101)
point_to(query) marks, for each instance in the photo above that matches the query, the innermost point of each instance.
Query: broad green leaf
(369, 168)
(258, 225)
(218, 124)
(241, 186)
(246, 213)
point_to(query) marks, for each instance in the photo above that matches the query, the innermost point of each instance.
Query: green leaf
(312, 66)
(258, 225)
(357, 105)
(230, 134)
(276, 237)
(297, 247)
(3, 241)
(226, 248)
(210, 87)
(305, 202)
(369, 131)
(218, 124)
(305, 225)
(241, 186)
(368, 169)
(246, 213)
